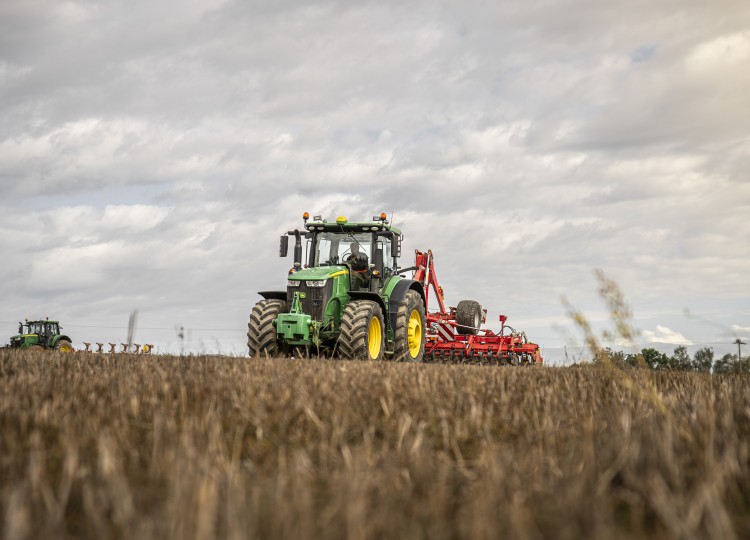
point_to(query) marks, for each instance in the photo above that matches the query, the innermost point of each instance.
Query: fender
(273, 295)
(397, 296)
(57, 338)
(371, 296)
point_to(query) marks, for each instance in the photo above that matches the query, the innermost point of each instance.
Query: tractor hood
(318, 273)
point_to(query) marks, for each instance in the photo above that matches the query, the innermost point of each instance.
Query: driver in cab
(357, 261)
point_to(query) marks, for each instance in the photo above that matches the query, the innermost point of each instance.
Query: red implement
(454, 334)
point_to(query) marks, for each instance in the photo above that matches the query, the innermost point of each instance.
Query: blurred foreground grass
(208, 447)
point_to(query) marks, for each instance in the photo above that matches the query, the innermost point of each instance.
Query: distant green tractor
(41, 335)
(347, 298)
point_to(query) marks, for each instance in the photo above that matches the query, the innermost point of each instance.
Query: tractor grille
(315, 298)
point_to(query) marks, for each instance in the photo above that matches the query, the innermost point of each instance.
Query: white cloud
(726, 51)
(662, 334)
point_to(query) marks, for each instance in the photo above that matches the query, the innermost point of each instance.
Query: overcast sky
(151, 153)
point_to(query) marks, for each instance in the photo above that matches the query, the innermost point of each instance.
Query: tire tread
(261, 332)
(411, 301)
(355, 321)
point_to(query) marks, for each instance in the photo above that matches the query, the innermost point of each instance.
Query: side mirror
(297, 249)
(377, 257)
(284, 247)
(395, 246)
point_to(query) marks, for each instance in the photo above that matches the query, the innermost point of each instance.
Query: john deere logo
(302, 295)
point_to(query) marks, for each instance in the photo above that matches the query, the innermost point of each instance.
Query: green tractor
(41, 335)
(346, 298)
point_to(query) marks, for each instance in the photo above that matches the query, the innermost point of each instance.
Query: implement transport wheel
(261, 330)
(63, 345)
(362, 331)
(410, 329)
(468, 314)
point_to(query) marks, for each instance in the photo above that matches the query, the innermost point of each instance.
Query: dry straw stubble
(207, 447)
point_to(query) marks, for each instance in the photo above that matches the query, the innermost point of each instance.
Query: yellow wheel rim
(414, 340)
(374, 338)
(65, 348)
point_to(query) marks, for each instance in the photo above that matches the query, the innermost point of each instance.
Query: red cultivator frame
(449, 340)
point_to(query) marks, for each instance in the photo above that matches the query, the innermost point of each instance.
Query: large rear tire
(409, 334)
(469, 316)
(63, 345)
(362, 331)
(261, 330)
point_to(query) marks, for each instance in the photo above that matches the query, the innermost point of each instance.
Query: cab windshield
(36, 328)
(336, 248)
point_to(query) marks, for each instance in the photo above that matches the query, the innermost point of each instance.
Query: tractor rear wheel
(63, 345)
(261, 330)
(410, 329)
(469, 316)
(362, 331)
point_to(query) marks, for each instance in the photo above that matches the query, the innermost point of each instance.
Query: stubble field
(125, 446)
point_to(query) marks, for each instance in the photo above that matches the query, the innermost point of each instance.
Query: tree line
(702, 361)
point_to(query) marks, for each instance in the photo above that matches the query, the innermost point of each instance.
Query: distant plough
(135, 348)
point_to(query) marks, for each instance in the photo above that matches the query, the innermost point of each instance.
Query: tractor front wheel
(63, 345)
(410, 329)
(362, 331)
(261, 330)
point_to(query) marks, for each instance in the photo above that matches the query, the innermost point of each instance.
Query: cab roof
(344, 226)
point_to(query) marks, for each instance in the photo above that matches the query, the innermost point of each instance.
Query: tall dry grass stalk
(623, 330)
(620, 315)
(205, 447)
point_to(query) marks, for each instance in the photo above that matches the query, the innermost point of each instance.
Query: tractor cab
(44, 329)
(352, 250)
(368, 251)
(365, 254)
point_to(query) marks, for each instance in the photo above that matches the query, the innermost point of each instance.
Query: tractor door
(380, 253)
(324, 250)
(53, 329)
(35, 334)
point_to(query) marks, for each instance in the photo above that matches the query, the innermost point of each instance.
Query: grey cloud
(526, 143)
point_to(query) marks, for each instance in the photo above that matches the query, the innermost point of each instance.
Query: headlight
(293, 282)
(317, 283)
